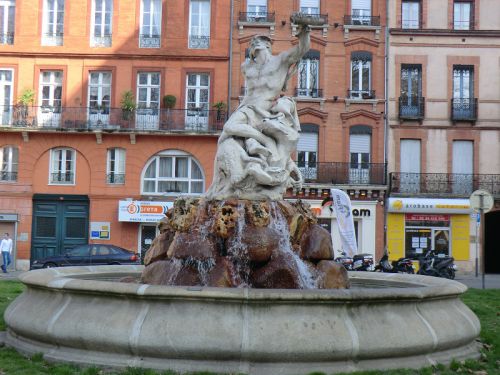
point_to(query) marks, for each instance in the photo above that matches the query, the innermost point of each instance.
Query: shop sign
(142, 211)
(100, 230)
(356, 212)
(455, 206)
(423, 217)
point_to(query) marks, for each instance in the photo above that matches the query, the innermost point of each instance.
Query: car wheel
(49, 265)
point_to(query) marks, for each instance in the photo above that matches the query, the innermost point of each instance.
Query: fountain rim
(76, 279)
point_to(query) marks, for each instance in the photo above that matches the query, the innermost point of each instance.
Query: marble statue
(253, 159)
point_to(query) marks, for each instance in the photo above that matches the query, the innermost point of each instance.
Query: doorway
(10, 227)
(147, 234)
(491, 241)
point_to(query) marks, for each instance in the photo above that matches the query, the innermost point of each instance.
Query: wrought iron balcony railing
(149, 41)
(102, 41)
(443, 184)
(112, 119)
(257, 17)
(411, 107)
(308, 92)
(344, 173)
(318, 18)
(7, 38)
(8, 176)
(361, 94)
(361, 20)
(464, 109)
(199, 41)
(115, 178)
(62, 178)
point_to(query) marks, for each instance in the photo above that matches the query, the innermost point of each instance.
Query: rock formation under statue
(242, 243)
(242, 233)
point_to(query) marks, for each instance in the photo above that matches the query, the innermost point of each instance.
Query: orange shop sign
(142, 211)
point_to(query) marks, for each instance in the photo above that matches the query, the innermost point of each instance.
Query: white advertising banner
(343, 211)
(428, 205)
(142, 211)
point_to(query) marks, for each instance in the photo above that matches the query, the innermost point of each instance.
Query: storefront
(8, 224)
(146, 214)
(415, 226)
(365, 219)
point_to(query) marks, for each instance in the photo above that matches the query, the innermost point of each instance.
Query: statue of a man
(253, 156)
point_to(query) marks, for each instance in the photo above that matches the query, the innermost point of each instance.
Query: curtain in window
(308, 77)
(200, 18)
(165, 167)
(309, 6)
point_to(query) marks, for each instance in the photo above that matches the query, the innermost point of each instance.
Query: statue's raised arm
(294, 54)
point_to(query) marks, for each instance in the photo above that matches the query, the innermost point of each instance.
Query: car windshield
(79, 251)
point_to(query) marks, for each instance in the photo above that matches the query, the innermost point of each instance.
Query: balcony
(199, 41)
(7, 38)
(62, 178)
(411, 107)
(102, 41)
(362, 20)
(344, 173)
(112, 119)
(115, 178)
(464, 109)
(308, 92)
(149, 41)
(8, 176)
(52, 39)
(443, 184)
(361, 94)
(257, 17)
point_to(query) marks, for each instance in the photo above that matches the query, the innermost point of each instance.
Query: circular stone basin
(83, 315)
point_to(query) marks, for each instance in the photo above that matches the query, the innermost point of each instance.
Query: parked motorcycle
(439, 265)
(345, 260)
(402, 265)
(362, 262)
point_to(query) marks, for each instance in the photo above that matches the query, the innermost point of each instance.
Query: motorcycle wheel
(449, 273)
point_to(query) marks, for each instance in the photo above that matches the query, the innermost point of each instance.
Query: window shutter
(410, 156)
(309, 3)
(462, 157)
(120, 163)
(262, 3)
(359, 143)
(362, 4)
(308, 142)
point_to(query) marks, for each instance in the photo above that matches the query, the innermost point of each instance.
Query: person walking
(6, 249)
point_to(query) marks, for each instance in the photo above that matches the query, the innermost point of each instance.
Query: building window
(410, 14)
(197, 99)
(49, 112)
(361, 12)
(173, 173)
(462, 168)
(150, 36)
(361, 76)
(256, 11)
(7, 21)
(199, 24)
(102, 15)
(462, 15)
(410, 166)
(427, 232)
(359, 150)
(308, 79)
(148, 100)
(9, 156)
(463, 102)
(62, 166)
(307, 155)
(99, 99)
(115, 173)
(309, 6)
(411, 101)
(6, 86)
(53, 23)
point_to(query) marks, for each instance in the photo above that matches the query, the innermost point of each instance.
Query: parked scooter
(440, 265)
(345, 260)
(362, 262)
(402, 265)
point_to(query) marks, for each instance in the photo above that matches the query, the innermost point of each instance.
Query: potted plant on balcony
(127, 105)
(220, 106)
(26, 99)
(169, 101)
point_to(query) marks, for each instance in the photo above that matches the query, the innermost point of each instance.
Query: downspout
(230, 62)
(386, 118)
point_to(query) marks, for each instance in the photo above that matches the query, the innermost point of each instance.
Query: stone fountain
(241, 281)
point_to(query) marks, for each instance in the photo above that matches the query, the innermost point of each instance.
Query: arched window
(173, 172)
(9, 156)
